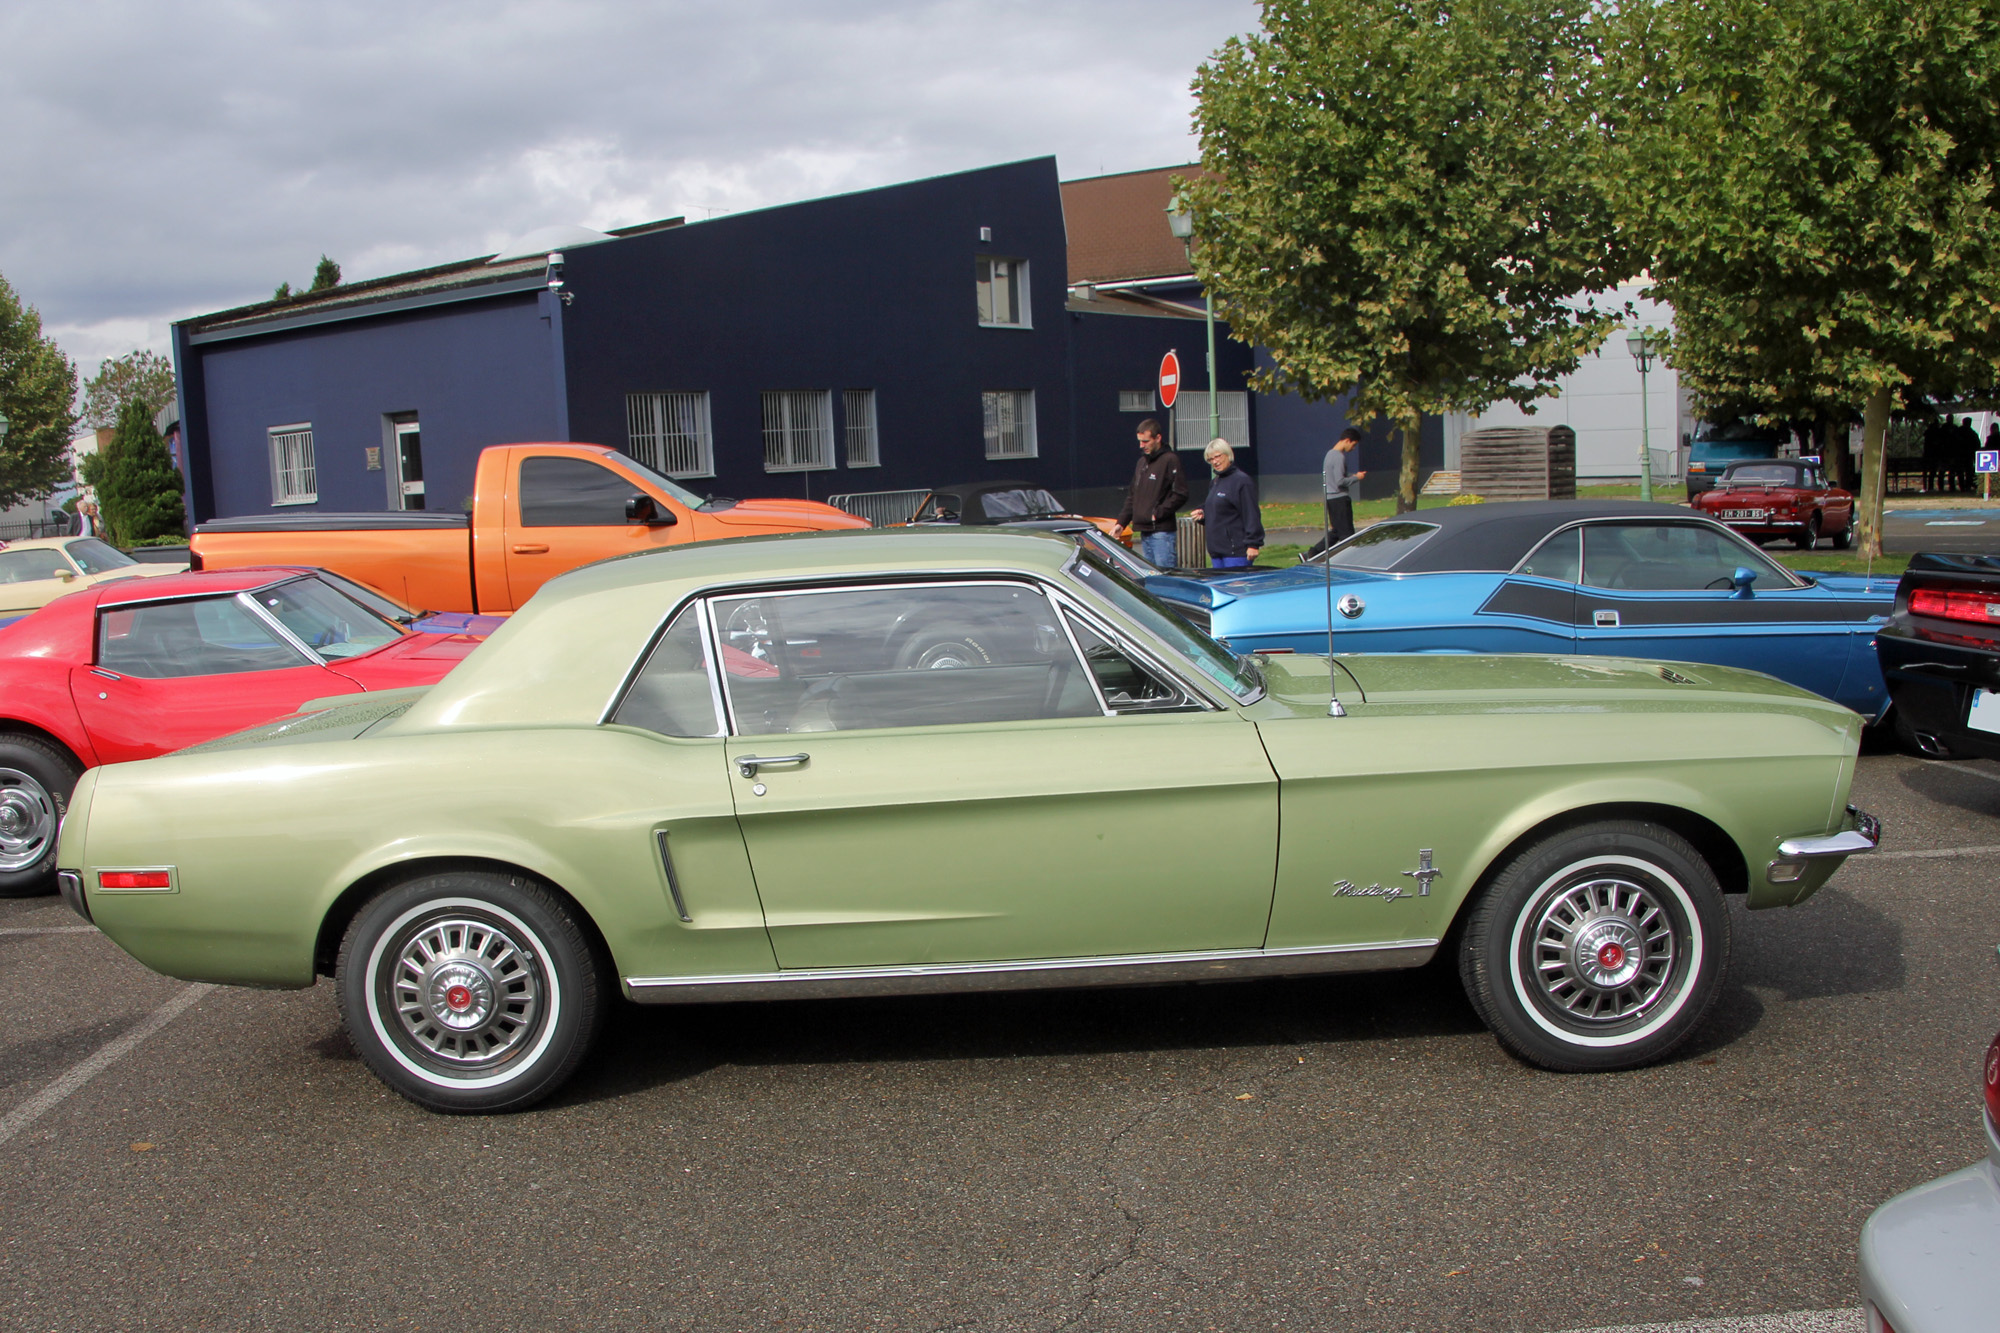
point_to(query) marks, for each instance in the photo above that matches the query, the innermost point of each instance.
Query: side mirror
(1742, 579)
(66, 575)
(641, 509)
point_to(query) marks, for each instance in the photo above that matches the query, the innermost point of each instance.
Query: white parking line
(1929, 851)
(48, 930)
(107, 1055)
(1798, 1321)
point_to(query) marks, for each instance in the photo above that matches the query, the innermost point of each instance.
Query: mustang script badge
(1346, 888)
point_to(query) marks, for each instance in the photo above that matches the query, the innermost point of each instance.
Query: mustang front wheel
(470, 991)
(1601, 947)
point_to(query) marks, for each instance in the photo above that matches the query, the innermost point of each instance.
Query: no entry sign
(1170, 379)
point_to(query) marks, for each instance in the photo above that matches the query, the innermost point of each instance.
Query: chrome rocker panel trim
(1031, 974)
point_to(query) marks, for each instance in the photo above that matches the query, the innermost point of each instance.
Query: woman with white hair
(1234, 523)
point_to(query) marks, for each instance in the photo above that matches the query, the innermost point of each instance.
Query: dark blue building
(891, 339)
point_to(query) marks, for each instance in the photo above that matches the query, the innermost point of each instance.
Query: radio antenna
(1333, 708)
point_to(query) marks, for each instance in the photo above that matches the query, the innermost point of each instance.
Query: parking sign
(1986, 460)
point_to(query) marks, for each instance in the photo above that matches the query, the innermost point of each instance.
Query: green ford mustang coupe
(940, 760)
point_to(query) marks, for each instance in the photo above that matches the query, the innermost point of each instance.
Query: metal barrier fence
(26, 529)
(881, 508)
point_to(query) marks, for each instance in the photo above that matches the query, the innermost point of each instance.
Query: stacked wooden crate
(1519, 463)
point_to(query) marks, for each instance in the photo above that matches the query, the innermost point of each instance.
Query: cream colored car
(35, 573)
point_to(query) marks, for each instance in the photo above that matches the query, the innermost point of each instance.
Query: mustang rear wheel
(1601, 947)
(36, 780)
(470, 991)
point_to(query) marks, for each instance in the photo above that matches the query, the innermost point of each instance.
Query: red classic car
(136, 668)
(1780, 497)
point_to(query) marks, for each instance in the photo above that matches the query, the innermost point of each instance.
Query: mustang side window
(862, 658)
(672, 695)
(1127, 685)
(211, 637)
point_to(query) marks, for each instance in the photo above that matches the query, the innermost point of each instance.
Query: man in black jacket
(1234, 523)
(1159, 489)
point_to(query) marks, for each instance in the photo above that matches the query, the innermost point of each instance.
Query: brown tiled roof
(1118, 225)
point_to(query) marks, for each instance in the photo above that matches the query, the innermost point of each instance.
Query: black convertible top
(1494, 537)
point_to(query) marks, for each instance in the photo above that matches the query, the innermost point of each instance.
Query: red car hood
(414, 659)
(801, 514)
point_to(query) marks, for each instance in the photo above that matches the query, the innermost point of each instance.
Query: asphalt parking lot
(1349, 1153)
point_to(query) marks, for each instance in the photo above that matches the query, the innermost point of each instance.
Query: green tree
(138, 487)
(326, 275)
(1406, 200)
(1815, 182)
(37, 387)
(144, 375)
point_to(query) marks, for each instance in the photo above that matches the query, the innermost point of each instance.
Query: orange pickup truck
(537, 510)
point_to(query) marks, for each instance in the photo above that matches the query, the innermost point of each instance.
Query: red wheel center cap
(460, 997)
(1611, 957)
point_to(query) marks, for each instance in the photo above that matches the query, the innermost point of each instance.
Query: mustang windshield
(1378, 546)
(1204, 654)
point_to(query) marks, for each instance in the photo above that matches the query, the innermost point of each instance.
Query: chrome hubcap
(28, 820)
(467, 993)
(1604, 950)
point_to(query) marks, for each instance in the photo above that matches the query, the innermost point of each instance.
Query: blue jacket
(1231, 515)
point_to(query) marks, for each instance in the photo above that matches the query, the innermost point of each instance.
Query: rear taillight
(1977, 608)
(1993, 1080)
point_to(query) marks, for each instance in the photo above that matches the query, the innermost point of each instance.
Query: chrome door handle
(748, 764)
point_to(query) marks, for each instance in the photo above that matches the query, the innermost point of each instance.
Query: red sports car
(1781, 497)
(135, 668)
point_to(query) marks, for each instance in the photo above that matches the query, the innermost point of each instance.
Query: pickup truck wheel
(1601, 947)
(470, 991)
(36, 780)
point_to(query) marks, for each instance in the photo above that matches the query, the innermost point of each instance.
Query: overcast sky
(163, 159)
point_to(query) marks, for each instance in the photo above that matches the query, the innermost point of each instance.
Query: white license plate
(1984, 715)
(1745, 515)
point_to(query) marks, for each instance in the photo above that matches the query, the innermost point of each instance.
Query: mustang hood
(1431, 683)
(763, 515)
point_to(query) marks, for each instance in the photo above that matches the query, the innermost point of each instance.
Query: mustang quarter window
(674, 695)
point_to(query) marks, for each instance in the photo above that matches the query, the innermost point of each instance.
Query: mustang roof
(1494, 537)
(562, 657)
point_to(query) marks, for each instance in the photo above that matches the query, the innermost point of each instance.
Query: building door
(409, 466)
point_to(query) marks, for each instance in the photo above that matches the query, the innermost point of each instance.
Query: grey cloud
(167, 158)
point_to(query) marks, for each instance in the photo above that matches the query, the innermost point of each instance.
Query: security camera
(555, 270)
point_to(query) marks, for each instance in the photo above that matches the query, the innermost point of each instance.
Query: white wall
(1601, 403)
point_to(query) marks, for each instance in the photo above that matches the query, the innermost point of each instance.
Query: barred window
(670, 433)
(1010, 423)
(1135, 400)
(860, 413)
(1191, 419)
(798, 430)
(294, 479)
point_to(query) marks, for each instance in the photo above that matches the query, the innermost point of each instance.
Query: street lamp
(1181, 223)
(1644, 344)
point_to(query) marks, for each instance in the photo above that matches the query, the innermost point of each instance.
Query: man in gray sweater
(1343, 488)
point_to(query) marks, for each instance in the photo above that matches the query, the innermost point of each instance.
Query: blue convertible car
(1630, 580)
